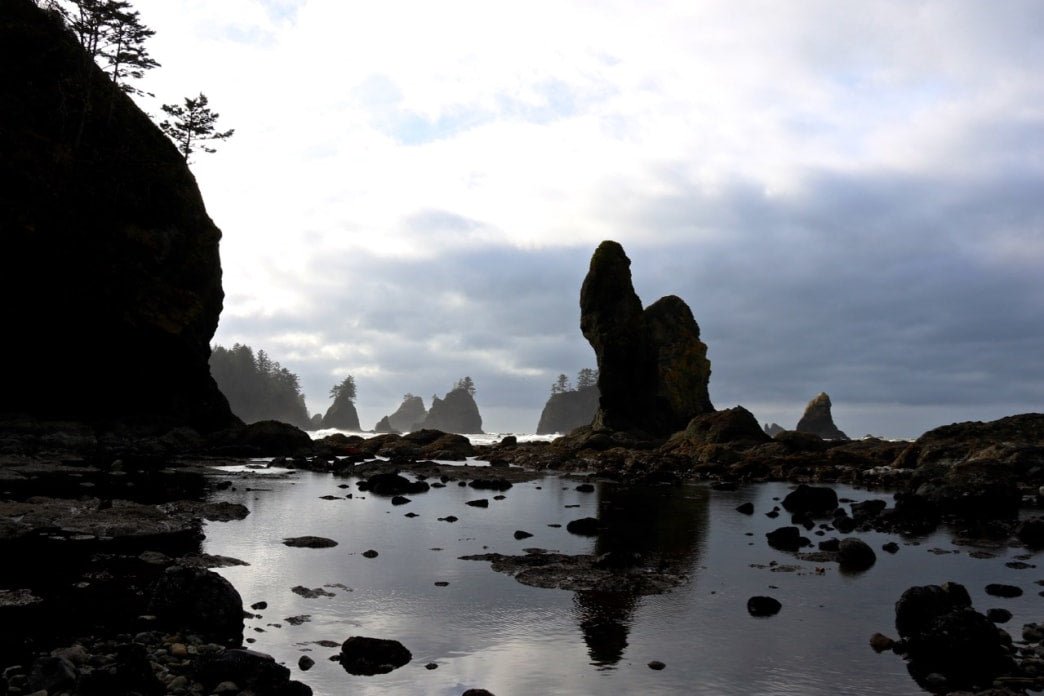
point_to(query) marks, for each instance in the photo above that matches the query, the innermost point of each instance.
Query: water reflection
(657, 527)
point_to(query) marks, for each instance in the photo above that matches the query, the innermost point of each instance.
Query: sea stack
(653, 369)
(568, 410)
(109, 274)
(456, 413)
(409, 416)
(817, 419)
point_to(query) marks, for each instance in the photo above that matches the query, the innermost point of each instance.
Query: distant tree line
(585, 379)
(258, 388)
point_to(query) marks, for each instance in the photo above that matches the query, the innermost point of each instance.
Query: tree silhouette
(466, 384)
(258, 388)
(344, 390)
(586, 378)
(113, 35)
(561, 385)
(194, 124)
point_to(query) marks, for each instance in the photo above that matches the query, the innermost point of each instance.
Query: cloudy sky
(849, 195)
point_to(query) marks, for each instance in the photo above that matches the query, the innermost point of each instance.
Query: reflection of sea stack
(652, 366)
(817, 419)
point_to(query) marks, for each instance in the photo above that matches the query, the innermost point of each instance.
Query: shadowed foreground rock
(200, 600)
(652, 367)
(106, 243)
(368, 656)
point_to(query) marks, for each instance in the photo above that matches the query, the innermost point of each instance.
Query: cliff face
(457, 413)
(409, 416)
(653, 370)
(566, 411)
(109, 272)
(818, 420)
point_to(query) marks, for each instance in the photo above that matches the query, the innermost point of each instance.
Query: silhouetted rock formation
(773, 429)
(342, 415)
(409, 416)
(109, 273)
(456, 413)
(817, 419)
(568, 410)
(652, 367)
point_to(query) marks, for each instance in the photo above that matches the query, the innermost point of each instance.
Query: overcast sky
(849, 195)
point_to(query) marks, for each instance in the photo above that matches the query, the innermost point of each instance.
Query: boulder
(763, 606)
(101, 218)
(267, 438)
(249, 670)
(855, 555)
(368, 656)
(785, 539)
(818, 420)
(390, 484)
(652, 367)
(811, 500)
(198, 600)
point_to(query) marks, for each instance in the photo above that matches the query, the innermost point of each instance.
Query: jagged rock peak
(409, 416)
(818, 420)
(773, 429)
(456, 413)
(652, 366)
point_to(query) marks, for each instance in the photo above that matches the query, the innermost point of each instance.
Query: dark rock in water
(457, 412)
(1001, 590)
(393, 484)
(832, 544)
(368, 656)
(264, 439)
(370, 553)
(652, 367)
(477, 692)
(481, 503)
(310, 542)
(407, 417)
(818, 420)
(880, 642)
(249, 670)
(568, 410)
(855, 555)
(656, 664)
(101, 218)
(310, 593)
(998, 615)
(868, 509)
(812, 500)
(305, 663)
(733, 426)
(746, 508)
(919, 606)
(198, 600)
(763, 606)
(785, 538)
(585, 526)
(490, 484)
(585, 488)
(1031, 532)
(400, 500)
(890, 547)
(520, 534)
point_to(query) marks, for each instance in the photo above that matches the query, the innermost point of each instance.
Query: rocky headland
(565, 411)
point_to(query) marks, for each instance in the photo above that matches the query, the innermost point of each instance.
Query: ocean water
(476, 438)
(484, 629)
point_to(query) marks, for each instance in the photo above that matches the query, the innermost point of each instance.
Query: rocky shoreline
(101, 532)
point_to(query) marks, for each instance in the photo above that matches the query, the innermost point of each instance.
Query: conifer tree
(193, 124)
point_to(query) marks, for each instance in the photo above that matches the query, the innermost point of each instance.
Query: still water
(486, 630)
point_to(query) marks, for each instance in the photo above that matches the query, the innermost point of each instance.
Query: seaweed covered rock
(104, 225)
(818, 419)
(652, 366)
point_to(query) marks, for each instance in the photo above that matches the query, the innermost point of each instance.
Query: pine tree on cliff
(113, 35)
(194, 124)
(466, 384)
(561, 385)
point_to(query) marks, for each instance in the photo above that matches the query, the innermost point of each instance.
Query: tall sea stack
(110, 280)
(818, 420)
(653, 369)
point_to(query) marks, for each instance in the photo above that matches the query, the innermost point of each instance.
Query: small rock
(880, 642)
(585, 488)
(585, 526)
(997, 589)
(519, 534)
(763, 606)
(480, 503)
(258, 606)
(998, 615)
(855, 555)
(441, 583)
(657, 665)
(430, 666)
(305, 663)
(746, 508)
(368, 656)
(890, 547)
(310, 542)
(179, 650)
(370, 553)
(400, 500)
